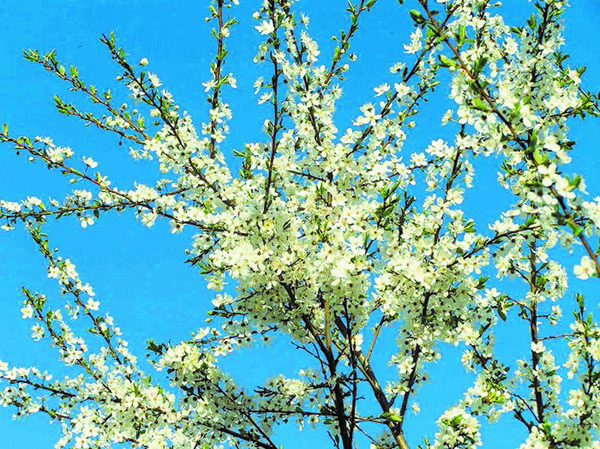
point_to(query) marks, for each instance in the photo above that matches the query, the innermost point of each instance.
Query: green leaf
(470, 226)
(539, 157)
(31, 55)
(456, 420)
(574, 228)
(445, 61)
(336, 53)
(480, 105)
(416, 16)
(462, 33)
(547, 427)
(152, 346)
(391, 417)
(480, 65)
(533, 140)
(532, 22)
(481, 282)
(501, 314)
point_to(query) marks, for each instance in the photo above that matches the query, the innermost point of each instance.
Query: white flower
(585, 269)
(27, 311)
(10, 206)
(144, 61)
(564, 188)
(37, 332)
(232, 81)
(397, 67)
(528, 116)
(402, 89)
(380, 90)
(415, 42)
(418, 159)
(92, 305)
(89, 162)
(32, 201)
(574, 76)
(154, 80)
(86, 221)
(266, 27)
(594, 349)
(265, 97)
(201, 333)
(208, 85)
(548, 174)
(258, 83)
(537, 347)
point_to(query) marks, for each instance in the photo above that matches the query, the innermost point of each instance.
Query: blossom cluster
(336, 241)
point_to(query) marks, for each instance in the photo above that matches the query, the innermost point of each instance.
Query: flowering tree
(335, 241)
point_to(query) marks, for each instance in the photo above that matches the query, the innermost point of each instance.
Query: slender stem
(533, 332)
(214, 101)
(382, 400)
(276, 112)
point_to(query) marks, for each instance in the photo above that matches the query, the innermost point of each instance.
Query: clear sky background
(139, 274)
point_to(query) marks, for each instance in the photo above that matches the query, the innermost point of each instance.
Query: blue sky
(139, 274)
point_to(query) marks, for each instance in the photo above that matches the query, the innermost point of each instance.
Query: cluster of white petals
(335, 240)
